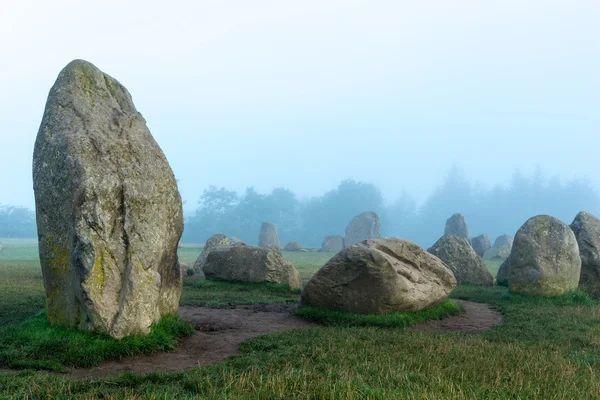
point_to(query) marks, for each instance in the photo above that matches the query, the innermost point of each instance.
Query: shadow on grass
(391, 320)
(223, 293)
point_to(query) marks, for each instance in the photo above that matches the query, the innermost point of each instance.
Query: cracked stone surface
(380, 276)
(109, 213)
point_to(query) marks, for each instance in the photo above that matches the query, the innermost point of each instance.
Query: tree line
(496, 211)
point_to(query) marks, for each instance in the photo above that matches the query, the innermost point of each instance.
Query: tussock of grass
(35, 344)
(392, 320)
(222, 293)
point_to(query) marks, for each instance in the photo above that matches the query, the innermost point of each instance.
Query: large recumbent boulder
(380, 276)
(243, 263)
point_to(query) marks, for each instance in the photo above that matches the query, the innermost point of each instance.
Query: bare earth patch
(478, 317)
(219, 332)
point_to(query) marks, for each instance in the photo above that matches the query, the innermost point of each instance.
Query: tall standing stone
(457, 226)
(268, 235)
(587, 232)
(362, 227)
(481, 244)
(109, 214)
(544, 260)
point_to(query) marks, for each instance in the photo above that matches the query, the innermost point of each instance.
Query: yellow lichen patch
(97, 275)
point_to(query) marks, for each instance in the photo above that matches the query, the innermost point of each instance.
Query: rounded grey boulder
(457, 226)
(586, 228)
(545, 258)
(481, 244)
(268, 235)
(212, 243)
(501, 248)
(332, 244)
(243, 263)
(503, 271)
(380, 276)
(109, 214)
(465, 264)
(362, 227)
(292, 246)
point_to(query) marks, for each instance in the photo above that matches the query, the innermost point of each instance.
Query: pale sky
(305, 94)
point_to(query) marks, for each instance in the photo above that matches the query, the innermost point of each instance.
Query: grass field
(545, 349)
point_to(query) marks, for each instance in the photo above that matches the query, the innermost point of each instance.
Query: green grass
(546, 348)
(36, 344)
(391, 320)
(221, 293)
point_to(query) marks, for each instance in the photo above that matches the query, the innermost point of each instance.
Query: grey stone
(362, 227)
(333, 244)
(292, 246)
(465, 264)
(109, 214)
(268, 236)
(380, 276)
(212, 243)
(586, 228)
(243, 263)
(545, 258)
(481, 244)
(503, 272)
(457, 226)
(501, 248)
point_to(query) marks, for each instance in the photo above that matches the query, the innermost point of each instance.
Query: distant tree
(17, 222)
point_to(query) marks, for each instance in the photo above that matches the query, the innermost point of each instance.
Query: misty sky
(305, 94)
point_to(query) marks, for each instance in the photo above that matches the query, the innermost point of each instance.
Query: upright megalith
(268, 235)
(362, 227)
(544, 260)
(456, 225)
(587, 232)
(109, 215)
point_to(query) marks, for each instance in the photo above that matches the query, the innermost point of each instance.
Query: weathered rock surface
(109, 215)
(465, 264)
(481, 244)
(545, 258)
(292, 246)
(332, 244)
(457, 226)
(587, 232)
(212, 243)
(243, 263)
(503, 271)
(362, 227)
(380, 276)
(501, 248)
(268, 235)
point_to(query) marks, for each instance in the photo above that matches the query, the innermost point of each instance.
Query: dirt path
(219, 332)
(478, 317)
